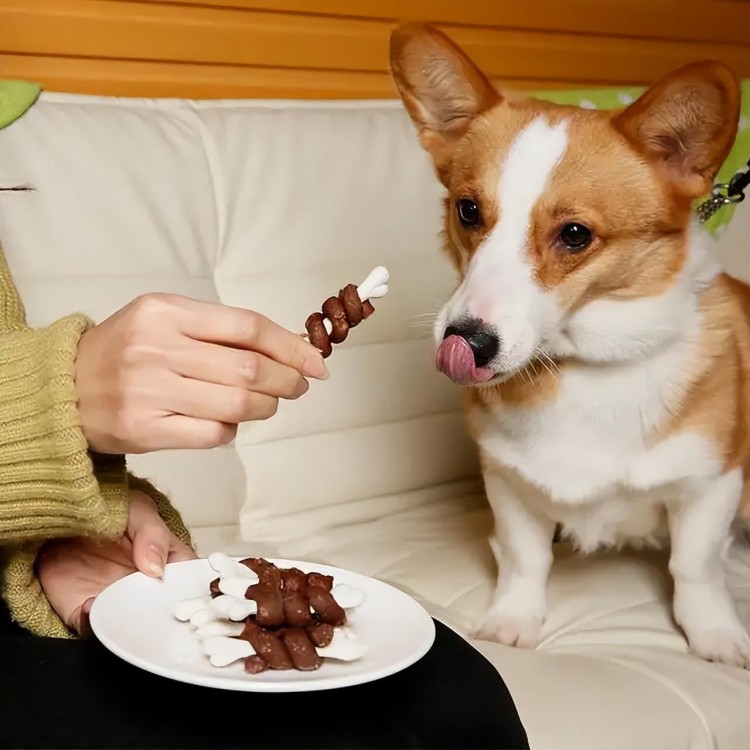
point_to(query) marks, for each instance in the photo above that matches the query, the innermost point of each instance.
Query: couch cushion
(315, 197)
(122, 205)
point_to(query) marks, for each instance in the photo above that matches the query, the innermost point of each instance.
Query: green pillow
(15, 98)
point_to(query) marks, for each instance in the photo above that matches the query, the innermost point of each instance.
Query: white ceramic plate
(133, 619)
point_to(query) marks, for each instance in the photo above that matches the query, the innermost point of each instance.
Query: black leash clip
(724, 194)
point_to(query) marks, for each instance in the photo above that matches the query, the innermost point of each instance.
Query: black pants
(76, 694)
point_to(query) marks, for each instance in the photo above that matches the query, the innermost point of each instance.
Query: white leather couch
(275, 206)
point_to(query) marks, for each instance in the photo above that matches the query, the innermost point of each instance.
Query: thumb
(149, 534)
(179, 551)
(79, 620)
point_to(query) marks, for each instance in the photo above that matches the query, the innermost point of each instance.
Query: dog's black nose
(483, 341)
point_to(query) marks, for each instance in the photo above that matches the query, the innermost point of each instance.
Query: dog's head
(553, 208)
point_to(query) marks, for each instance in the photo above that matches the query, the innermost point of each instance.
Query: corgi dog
(605, 356)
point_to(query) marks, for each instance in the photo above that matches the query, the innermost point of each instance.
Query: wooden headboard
(339, 48)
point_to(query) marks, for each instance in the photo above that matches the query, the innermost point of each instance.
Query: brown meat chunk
(326, 606)
(301, 650)
(267, 646)
(321, 634)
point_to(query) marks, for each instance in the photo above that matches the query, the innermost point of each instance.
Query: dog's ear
(686, 124)
(442, 89)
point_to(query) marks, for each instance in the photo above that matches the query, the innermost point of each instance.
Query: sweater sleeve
(48, 484)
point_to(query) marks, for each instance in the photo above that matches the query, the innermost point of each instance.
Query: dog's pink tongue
(455, 359)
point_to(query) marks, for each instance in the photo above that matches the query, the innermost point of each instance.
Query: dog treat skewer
(347, 310)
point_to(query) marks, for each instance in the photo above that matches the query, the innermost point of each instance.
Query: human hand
(73, 572)
(166, 371)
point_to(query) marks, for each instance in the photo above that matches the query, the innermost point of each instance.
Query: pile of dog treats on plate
(271, 617)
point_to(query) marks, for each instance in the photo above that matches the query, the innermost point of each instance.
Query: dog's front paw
(509, 628)
(709, 620)
(722, 644)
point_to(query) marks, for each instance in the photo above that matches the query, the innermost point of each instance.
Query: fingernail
(315, 367)
(155, 563)
(84, 624)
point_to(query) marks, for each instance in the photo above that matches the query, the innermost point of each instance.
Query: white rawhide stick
(375, 285)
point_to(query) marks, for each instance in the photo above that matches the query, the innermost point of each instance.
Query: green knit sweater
(51, 485)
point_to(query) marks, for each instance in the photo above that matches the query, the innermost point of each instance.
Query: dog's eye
(468, 212)
(576, 237)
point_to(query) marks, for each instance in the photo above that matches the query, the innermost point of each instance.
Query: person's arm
(51, 485)
(164, 371)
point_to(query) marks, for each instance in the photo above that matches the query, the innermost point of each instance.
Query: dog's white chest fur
(589, 458)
